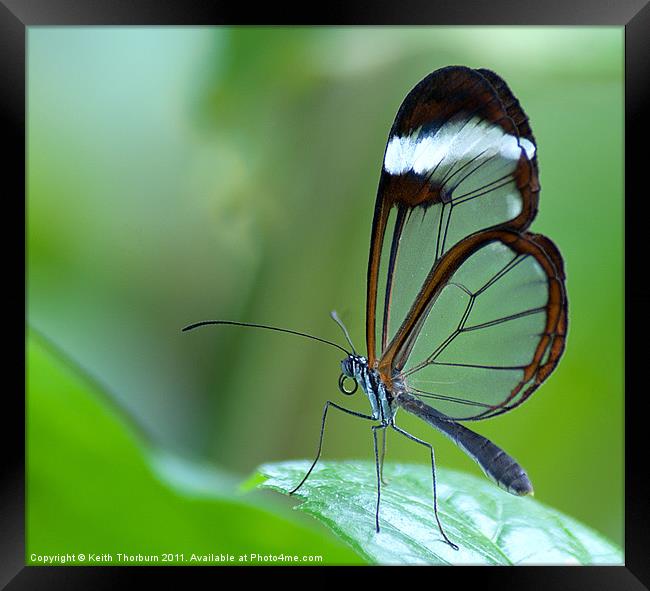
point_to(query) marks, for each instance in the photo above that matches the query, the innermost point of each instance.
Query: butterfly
(466, 310)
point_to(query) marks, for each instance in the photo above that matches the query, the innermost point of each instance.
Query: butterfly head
(352, 368)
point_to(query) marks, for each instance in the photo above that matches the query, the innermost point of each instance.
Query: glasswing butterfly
(466, 311)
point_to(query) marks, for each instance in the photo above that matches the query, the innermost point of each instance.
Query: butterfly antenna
(338, 321)
(275, 328)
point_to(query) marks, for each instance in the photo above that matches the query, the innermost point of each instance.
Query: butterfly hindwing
(489, 327)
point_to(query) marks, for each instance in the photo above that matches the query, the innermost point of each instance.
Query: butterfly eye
(344, 390)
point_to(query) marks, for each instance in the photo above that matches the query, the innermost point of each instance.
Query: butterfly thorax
(380, 397)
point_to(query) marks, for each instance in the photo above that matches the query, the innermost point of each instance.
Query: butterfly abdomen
(497, 464)
(504, 470)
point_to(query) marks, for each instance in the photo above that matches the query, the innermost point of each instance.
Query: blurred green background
(177, 175)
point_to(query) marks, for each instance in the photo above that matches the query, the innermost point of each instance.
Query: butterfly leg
(322, 432)
(433, 477)
(383, 455)
(379, 470)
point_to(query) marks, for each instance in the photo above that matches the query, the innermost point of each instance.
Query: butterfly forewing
(460, 158)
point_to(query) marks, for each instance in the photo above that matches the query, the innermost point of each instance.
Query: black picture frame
(634, 15)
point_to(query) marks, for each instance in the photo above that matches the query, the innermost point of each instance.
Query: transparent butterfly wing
(494, 329)
(466, 309)
(460, 158)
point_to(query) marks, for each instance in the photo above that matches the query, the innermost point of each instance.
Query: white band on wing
(457, 140)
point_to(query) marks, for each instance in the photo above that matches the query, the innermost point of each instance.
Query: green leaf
(490, 525)
(96, 487)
